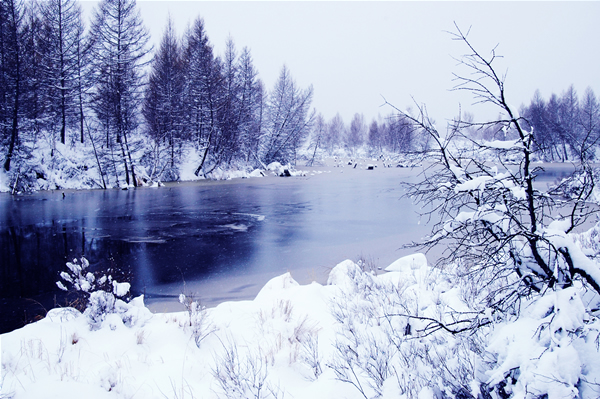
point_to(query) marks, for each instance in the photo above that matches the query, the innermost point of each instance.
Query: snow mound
(275, 167)
(343, 274)
(278, 169)
(414, 261)
(276, 285)
(257, 173)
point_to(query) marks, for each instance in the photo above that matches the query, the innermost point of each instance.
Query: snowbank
(361, 335)
(278, 169)
(414, 261)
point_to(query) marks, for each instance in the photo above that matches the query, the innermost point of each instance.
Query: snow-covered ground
(76, 167)
(346, 339)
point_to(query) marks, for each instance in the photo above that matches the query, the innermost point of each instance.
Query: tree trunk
(15, 122)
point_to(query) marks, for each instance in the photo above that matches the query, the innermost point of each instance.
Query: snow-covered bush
(198, 320)
(418, 331)
(389, 341)
(550, 350)
(102, 292)
(589, 241)
(244, 377)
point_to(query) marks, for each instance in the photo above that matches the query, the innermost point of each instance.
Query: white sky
(353, 53)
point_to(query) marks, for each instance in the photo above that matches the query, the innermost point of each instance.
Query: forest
(93, 102)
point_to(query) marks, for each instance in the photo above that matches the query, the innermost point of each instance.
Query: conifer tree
(11, 20)
(288, 121)
(163, 105)
(201, 95)
(119, 50)
(250, 107)
(61, 40)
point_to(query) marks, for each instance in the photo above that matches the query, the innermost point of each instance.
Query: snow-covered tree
(119, 50)
(163, 107)
(61, 40)
(494, 215)
(374, 139)
(288, 119)
(336, 130)
(356, 134)
(11, 22)
(251, 106)
(317, 137)
(202, 76)
(512, 241)
(589, 124)
(228, 140)
(399, 135)
(564, 125)
(34, 104)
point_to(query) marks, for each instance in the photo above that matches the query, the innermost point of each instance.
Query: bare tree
(374, 138)
(318, 136)
(336, 130)
(399, 135)
(491, 217)
(589, 124)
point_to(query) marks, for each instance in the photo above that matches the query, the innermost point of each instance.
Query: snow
(476, 184)
(560, 224)
(121, 289)
(504, 145)
(3, 182)
(540, 343)
(74, 166)
(414, 261)
(278, 169)
(290, 341)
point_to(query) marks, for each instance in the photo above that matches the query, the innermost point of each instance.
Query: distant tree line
(100, 90)
(567, 127)
(393, 134)
(138, 117)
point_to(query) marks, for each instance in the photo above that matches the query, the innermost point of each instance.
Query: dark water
(216, 240)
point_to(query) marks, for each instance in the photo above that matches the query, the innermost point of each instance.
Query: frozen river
(216, 240)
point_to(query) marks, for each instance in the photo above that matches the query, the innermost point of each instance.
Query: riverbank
(357, 336)
(278, 344)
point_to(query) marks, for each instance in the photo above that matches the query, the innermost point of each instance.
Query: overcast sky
(353, 53)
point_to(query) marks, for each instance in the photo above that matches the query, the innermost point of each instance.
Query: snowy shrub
(245, 377)
(102, 293)
(388, 342)
(589, 241)
(550, 351)
(309, 351)
(198, 321)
